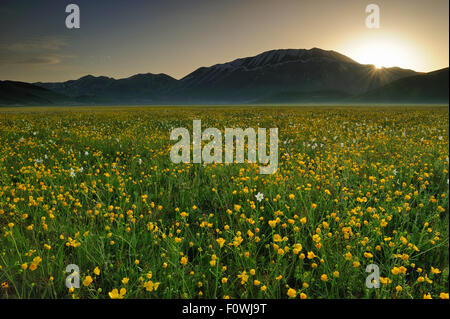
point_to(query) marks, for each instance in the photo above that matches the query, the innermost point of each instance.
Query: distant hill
(424, 88)
(277, 76)
(139, 88)
(21, 93)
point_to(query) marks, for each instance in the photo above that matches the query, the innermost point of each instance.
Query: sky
(122, 38)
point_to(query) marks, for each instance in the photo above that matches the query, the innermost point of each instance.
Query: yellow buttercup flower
(87, 281)
(220, 241)
(435, 270)
(115, 294)
(150, 285)
(291, 293)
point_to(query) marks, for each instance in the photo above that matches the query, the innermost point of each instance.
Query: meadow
(95, 187)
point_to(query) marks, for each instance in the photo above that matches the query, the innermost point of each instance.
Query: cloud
(45, 44)
(43, 59)
(34, 51)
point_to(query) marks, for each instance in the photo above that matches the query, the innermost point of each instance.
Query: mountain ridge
(18, 93)
(265, 74)
(428, 87)
(297, 75)
(142, 87)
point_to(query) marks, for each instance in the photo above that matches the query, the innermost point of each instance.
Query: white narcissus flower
(259, 196)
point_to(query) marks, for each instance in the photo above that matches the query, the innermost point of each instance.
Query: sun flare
(383, 52)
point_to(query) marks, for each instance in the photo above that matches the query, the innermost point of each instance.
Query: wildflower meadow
(95, 188)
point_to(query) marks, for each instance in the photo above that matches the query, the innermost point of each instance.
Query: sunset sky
(122, 38)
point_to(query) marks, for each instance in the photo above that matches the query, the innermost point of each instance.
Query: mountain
(139, 88)
(272, 72)
(21, 93)
(424, 88)
(277, 76)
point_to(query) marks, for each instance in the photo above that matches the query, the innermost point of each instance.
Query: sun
(381, 54)
(382, 51)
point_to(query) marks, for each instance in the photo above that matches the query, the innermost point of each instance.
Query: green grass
(370, 183)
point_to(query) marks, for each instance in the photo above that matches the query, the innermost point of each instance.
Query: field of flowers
(95, 187)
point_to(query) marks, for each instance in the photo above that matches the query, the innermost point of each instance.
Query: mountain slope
(139, 88)
(277, 76)
(21, 93)
(264, 76)
(424, 88)
(275, 71)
